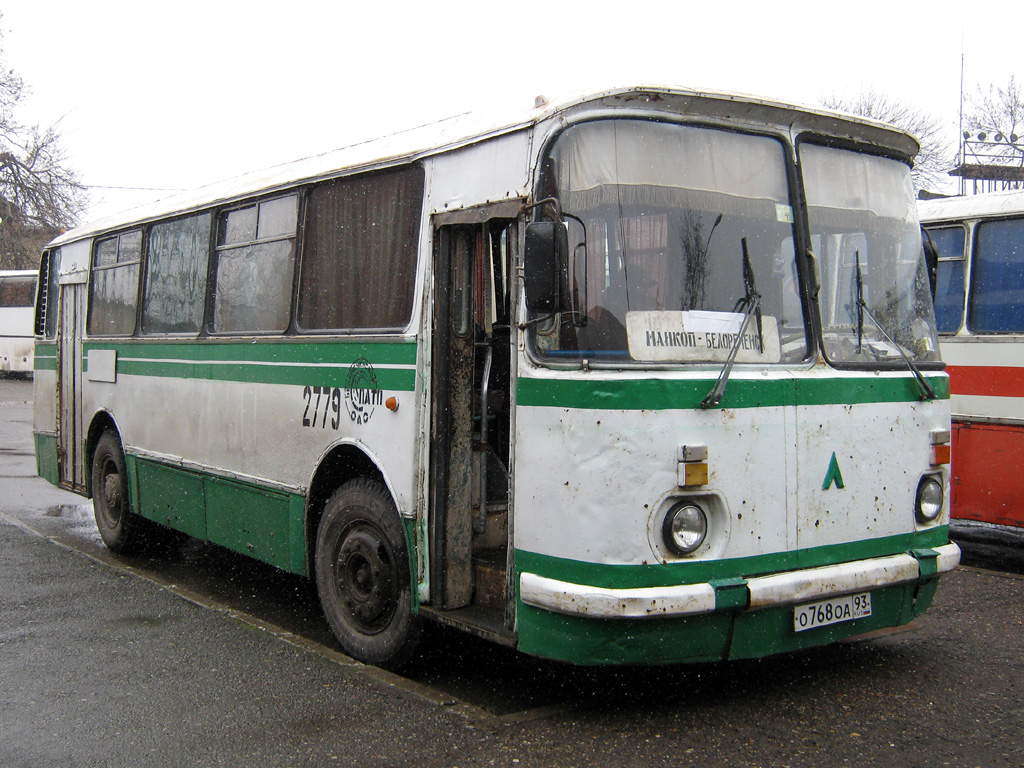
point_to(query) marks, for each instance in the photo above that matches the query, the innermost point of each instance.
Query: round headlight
(685, 528)
(929, 499)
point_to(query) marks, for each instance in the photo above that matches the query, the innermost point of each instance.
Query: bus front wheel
(362, 575)
(118, 527)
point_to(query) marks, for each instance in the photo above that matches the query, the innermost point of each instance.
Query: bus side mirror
(545, 261)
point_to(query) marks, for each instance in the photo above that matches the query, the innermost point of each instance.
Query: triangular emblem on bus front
(833, 475)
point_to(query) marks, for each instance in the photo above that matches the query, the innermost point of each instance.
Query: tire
(362, 576)
(119, 528)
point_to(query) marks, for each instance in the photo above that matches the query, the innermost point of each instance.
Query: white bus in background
(644, 376)
(17, 299)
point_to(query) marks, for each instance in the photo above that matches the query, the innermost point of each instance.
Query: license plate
(832, 611)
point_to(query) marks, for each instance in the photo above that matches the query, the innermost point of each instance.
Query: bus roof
(472, 127)
(971, 206)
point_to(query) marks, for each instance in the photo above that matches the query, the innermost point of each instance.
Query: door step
(489, 582)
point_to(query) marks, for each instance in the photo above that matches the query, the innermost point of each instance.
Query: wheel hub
(366, 578)
(112, 495)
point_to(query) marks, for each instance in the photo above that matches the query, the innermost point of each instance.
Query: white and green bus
(644, 376)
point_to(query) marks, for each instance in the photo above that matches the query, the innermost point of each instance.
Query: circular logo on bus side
(362, 394)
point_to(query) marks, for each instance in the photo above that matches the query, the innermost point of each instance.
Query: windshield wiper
(750, 288)
(927, 393)
(751, 306)
(860, 304)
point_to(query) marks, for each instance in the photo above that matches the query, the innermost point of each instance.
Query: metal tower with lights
(991, 162)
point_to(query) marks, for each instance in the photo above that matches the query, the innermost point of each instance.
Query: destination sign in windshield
(700, 336)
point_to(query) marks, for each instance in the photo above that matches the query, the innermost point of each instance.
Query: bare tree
(40, 195)
(934, 161)
(999, 114)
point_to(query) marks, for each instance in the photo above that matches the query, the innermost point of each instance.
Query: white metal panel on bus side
(17, 354)
(868, 490)
(592, 484)
(481, 173)
(960, 209)
(74, 261)
(17, 344)
(16, 322)
(994, 357)
(252, 431)
(44, 401)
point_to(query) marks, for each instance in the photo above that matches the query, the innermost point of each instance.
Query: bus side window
(949, 283)
(115, 285)
(358, 268)
(255, 265)
(997, 291)
(17, 291)
(176, 270)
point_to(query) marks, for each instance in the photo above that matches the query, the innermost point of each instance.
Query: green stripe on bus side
(307, 351)
(47, 462)
(410, 526)
(313, 363)
(700, 572)
(247, 517)
(850, 391)
(666, 394)
(298, 374)
(45, 356)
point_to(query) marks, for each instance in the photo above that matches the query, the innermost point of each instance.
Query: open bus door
(470, 424)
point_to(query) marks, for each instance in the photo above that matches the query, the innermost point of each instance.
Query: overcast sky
(173, 95)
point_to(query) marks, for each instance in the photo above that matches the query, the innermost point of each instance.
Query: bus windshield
(673, 229)
(875, 299)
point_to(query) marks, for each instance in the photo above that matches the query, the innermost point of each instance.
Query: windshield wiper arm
(860, 305)
(751, 305)
(927, 393)
(750, 287)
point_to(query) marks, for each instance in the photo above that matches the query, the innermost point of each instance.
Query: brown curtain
(359, 262)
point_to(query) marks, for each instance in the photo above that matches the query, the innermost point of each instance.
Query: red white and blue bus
(979, 310)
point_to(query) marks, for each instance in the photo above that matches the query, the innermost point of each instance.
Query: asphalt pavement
(106, 661)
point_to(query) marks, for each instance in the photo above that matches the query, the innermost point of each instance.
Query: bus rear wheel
(362, 575)
(118, 526)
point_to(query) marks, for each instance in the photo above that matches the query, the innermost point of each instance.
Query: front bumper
(789, 588)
